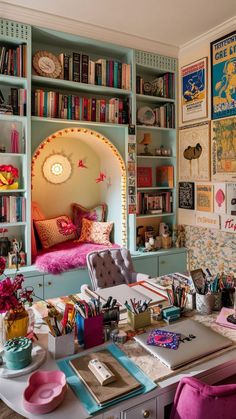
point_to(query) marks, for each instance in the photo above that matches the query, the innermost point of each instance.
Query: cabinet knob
(49, 283)
(40, 285)
(163, 262)
(146, 413)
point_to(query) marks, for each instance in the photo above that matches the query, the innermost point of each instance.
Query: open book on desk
(138, 291)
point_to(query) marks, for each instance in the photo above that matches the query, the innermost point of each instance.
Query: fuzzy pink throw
(65, 256)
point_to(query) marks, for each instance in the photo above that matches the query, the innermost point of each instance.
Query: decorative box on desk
(140, 320)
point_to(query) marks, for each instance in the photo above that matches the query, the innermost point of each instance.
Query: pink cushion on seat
(197, 400)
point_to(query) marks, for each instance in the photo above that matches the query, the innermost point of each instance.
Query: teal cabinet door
(65, 284)
(174, 262)
(146, 265)
(37, 283)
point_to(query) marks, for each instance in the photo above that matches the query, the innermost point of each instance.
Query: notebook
(205, 341)
(125, 382)
(222, 318)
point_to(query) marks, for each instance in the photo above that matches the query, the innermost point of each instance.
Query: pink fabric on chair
(197, 400)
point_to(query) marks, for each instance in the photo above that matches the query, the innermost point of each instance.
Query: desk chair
(112, 267)
(197, 400)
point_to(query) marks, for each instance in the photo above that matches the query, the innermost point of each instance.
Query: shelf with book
(143, 216)
(15, 128)
(74, 122)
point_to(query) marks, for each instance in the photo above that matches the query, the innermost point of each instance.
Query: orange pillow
(96, 232)
(55, 230)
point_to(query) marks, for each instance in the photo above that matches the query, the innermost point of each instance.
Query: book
(186, 195)
(165, 176)
(76, 66)
(164, 339)
(84, 68)
(144, 177)
(231, 198)
(124, 383)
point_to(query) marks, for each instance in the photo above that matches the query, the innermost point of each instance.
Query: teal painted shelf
(20, 223)
(81, 87)
(155, 215)
(13, 154)
(146, 98)
(72, 122)
(13, 80)
(155, 157)
(155, 188)
(150, 127)
(12, 118)
(12, 191)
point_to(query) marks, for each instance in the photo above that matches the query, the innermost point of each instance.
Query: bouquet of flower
(12, 293)
(8, 176)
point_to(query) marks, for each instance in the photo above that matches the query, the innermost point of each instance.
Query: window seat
(65, 256)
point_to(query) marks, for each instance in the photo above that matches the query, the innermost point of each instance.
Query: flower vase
(16, 323)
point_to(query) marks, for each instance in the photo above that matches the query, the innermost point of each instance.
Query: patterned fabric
(95, 214)
(96, 232)
(56, 230)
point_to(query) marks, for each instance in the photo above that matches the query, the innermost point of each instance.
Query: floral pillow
(97, 213)
(55, 230)
(96, 232)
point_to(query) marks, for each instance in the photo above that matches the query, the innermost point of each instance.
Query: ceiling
(173, 22)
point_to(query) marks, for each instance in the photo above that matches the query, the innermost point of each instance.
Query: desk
(211, 369)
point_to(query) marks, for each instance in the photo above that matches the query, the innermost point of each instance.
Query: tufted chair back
(110, 267)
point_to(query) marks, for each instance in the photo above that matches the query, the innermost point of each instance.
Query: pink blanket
(65, 256)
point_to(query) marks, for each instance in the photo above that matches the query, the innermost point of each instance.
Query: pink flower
(2, 265)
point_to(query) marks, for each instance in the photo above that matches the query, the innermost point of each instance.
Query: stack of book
(18, 101)
(162, 86)
(57, 105)
(13, 60)
(154, 203)
(12, 209)
(81, 68)
(165, 176)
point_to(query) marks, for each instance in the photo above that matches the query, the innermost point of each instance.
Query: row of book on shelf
(162, 86)
(80, 68)
(13, 60)
(161, 116)
(164, 176)
(154, 203)
(57, 105)
(12, 209)
(16, 102)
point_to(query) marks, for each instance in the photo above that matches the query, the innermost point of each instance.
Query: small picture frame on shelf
(144, 177)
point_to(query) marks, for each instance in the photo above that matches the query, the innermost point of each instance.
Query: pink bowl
(45, 391)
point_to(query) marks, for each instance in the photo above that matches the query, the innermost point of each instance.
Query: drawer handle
(146, 413)
(40, 285)
(49, 283)
(163, 262)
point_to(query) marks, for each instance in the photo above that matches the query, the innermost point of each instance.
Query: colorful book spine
(76, 67)
(84, 68)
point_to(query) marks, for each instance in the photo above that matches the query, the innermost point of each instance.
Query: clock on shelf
(46, 64)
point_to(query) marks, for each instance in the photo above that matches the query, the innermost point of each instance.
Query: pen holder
(218, 301)
(140, 320)
(61, 346)
(90, 330)
(111, 315)
(205, 303)
(227, 297)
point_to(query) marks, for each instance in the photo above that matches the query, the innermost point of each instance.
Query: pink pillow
(97, 213)
(96, 232)
(55, 230)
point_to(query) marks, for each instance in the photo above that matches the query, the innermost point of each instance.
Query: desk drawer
(37, 283)
(145, 410)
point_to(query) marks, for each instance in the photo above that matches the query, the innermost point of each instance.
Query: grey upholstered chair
(112, 267)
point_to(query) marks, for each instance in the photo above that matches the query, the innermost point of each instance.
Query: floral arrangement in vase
(8, 176)
(13, 297)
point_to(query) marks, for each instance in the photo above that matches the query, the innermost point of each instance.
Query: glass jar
(16, 322)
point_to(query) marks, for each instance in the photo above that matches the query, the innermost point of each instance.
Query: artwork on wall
(186, 195)
(194, 90)
(57, 168)
(228, 224)
(204, 197)
(231, 198)
(207, 220)
(194, 152)
(223, 134)
(223, 76)
(219, 198)
(132, 196)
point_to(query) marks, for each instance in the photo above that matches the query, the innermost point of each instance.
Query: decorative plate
(46, 64)
(146, 116)
(57, 168)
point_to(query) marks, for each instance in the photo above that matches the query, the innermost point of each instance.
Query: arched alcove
(103, 179)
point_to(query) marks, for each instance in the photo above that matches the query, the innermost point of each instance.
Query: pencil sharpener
(170, 314)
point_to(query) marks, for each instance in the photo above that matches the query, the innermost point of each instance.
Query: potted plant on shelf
(13, 298)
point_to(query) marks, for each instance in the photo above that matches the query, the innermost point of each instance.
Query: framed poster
(194, 152)
(223, 76)
(204, 197)
(194, 90)
(219, 198)
(223, 134)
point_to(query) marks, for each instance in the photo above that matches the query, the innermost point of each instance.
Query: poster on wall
(194, 90)
(228, 224)
(194, 152)
(231, 198)
(204, 197)
(219, 198)
(223, 76)
(186, 195)
(223, 134)
(207, 220)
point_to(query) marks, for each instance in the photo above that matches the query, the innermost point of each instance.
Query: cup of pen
(138, 314)
(61, 346)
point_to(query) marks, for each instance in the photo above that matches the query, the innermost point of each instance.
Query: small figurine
(180, 242)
